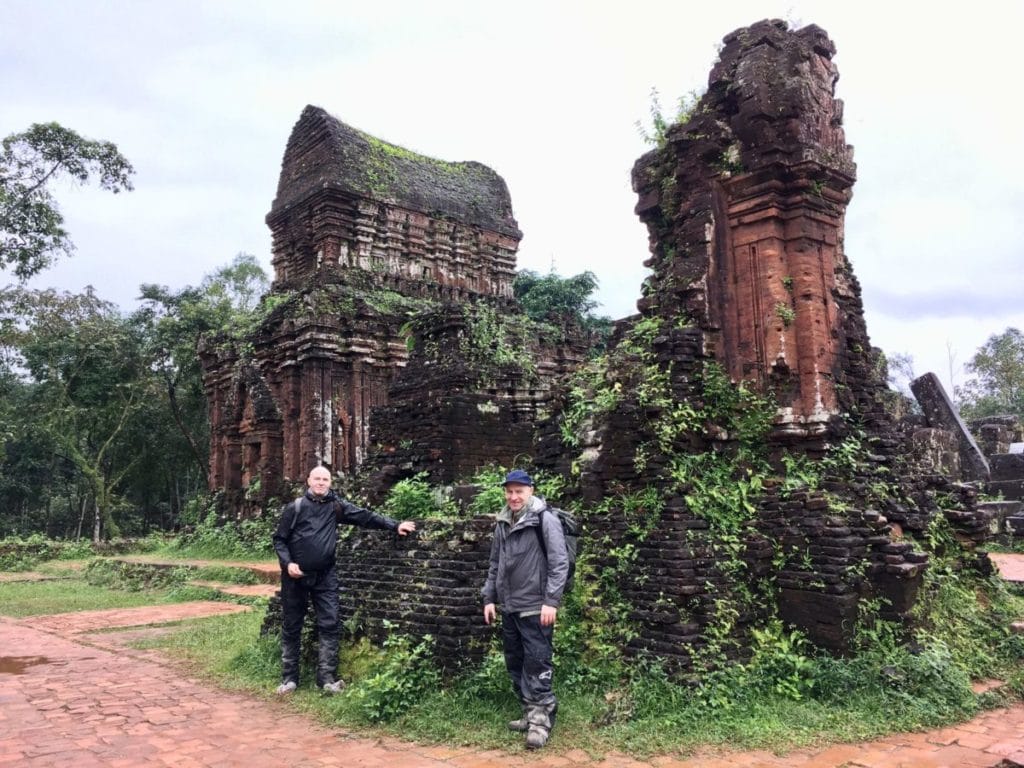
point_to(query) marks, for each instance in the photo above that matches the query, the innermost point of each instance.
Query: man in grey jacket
(528, 570)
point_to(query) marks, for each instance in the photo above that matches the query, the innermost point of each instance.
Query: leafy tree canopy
(997, 383)
(32, 230)
(546, 296)
(174, 321)
(551, 297)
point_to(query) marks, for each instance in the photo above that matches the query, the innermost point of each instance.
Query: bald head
(319, 480)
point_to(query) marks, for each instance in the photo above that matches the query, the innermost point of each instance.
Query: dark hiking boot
(327, 666)
(289, 664)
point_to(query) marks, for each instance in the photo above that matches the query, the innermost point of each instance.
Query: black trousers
(528, 650)
(322, 588)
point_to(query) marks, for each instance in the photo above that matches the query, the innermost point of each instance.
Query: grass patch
(39, 598)
(107, 584)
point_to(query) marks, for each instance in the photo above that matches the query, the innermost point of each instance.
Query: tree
(997, 383)
(173, 323)
(236, 288)
(551, 297)
(32, 230)
(89, 379)
(103, 417)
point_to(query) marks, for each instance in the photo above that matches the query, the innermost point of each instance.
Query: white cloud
(202, 97)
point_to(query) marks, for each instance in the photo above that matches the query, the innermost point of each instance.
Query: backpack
(571, 531)
(295, 517)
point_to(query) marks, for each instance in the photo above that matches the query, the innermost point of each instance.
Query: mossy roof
(324, 153)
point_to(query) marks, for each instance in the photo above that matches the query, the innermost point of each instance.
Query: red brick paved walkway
(67, 702)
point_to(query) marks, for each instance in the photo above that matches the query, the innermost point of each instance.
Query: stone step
(1007, 466)
(1001, 512)
(1008, 489)
(985, 686)
(1010, 566)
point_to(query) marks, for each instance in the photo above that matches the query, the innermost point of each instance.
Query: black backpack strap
(540, 533)
(295, 517)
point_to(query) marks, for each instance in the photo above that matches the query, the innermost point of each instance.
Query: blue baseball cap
(518, 476)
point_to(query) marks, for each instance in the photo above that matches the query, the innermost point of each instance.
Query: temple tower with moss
(365, 235)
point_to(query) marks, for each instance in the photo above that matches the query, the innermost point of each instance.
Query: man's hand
(489, 613)
(406, 527)
(294, 571)
(547, 615)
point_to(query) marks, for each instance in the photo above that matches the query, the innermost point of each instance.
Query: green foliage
(785, 313)
(132, 577)
(495, 338)
(211, 537)
(89, 383)
(415, 499)
(781, 662)
(924, 680)
(24, 554)
(405, 676)
(590, 394)
(996, 385)
(799, 473)
(103, 417)
(657, 134)
(551, 298)
(32, 230)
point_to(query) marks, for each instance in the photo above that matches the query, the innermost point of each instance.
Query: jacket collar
(329, 496)
(531, 510)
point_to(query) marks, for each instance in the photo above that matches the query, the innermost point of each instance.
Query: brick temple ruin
(366, 234)
(744, 203)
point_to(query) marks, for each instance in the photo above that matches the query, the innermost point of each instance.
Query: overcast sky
(202, 96)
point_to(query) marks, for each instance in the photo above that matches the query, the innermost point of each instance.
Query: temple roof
(324, 153)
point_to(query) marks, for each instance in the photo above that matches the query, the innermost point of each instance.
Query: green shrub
(406, 675)
(415, 499)
(24, 554)
(211, 537)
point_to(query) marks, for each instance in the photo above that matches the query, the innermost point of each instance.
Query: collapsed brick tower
(364, 233)
(745, 208)
(744, 202)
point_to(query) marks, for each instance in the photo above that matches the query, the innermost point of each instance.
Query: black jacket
(309, 536)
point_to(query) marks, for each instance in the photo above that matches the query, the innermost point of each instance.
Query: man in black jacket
(305, 541)
(527, 574)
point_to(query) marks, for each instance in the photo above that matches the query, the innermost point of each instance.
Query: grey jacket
(520, 577)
